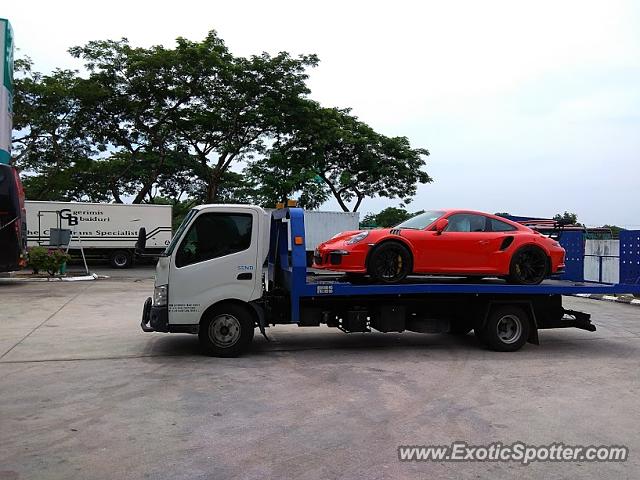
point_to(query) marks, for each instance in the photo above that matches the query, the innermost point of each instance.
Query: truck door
(216, 259)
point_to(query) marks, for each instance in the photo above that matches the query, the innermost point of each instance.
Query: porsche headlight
(160, 295)
(358, 237)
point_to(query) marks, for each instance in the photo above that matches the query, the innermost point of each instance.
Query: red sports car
(445, 242)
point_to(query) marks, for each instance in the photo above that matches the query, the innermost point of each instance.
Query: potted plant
(52, 260)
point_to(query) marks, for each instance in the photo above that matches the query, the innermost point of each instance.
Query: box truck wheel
(227, 331)
(120, 259)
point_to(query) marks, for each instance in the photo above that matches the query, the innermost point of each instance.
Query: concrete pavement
(85, 394)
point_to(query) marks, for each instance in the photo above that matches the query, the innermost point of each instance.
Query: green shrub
(48, 260)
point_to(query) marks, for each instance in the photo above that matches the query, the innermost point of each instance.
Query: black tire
(507, 329)
(227, 331)
(390, 262)
(529, 266)
(120, 259)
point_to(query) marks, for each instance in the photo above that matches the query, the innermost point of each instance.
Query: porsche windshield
(421, 221)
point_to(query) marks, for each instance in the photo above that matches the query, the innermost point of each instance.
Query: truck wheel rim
(509, 329)
(224, 331)
(120, 260)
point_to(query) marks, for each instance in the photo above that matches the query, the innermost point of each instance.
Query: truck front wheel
(507, 328)
(227, 331)
(120, 259)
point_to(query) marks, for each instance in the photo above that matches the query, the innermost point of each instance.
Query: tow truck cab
(216, 255)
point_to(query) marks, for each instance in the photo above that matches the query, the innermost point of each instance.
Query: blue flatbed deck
(315, 285)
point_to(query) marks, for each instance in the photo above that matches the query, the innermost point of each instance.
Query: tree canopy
(195, 123)
(566, 218)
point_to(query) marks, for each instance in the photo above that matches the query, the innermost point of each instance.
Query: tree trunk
(213, 186)
(116, 194)
(142, 193)
(358, 202)
(336, 194)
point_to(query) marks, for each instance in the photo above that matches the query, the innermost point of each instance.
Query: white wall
(610, 251)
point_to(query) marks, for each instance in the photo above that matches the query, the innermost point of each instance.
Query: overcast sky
(527, 107)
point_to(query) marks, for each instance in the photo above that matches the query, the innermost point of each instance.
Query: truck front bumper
(154, 319)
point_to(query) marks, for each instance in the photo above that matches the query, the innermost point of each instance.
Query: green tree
(128, 104)
(389, 217)
(47, 141)
(351, 159)
(567, 218)
(615, 230)
(241, 104)
(276, 179)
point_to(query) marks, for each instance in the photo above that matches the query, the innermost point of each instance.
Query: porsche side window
(464, 222)
(214, 235)
(498, 226)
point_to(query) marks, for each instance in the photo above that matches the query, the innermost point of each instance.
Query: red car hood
(342, 236)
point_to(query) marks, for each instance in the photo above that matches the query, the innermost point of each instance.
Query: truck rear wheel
(227, 331)
(120, 259)
(507, 328)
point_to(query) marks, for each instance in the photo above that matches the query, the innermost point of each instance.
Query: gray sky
(527, 107)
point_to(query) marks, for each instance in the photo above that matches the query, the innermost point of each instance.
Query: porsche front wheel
(528, 266)
(390, 262)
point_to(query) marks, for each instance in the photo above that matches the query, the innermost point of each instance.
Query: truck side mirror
(441, 225)
(141, 244)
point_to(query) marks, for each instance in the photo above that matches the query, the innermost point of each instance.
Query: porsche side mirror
(441, 225)
(141, 244)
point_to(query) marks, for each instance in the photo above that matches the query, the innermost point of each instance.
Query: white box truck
(106, 229)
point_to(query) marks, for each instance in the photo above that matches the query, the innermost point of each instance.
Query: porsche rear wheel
(390, 262)
(528, 266)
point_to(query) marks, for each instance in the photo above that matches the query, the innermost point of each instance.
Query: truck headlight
(358, 237)
(160, 295)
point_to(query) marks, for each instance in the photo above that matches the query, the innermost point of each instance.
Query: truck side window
(214, 235)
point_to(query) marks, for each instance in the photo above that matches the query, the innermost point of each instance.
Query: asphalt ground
(84, 393)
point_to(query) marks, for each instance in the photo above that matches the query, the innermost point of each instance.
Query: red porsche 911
(445, 242)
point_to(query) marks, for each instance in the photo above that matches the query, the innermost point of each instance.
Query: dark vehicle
(13, 224)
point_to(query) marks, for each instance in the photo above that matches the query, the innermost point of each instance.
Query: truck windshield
(421, 221)
(179, 232)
